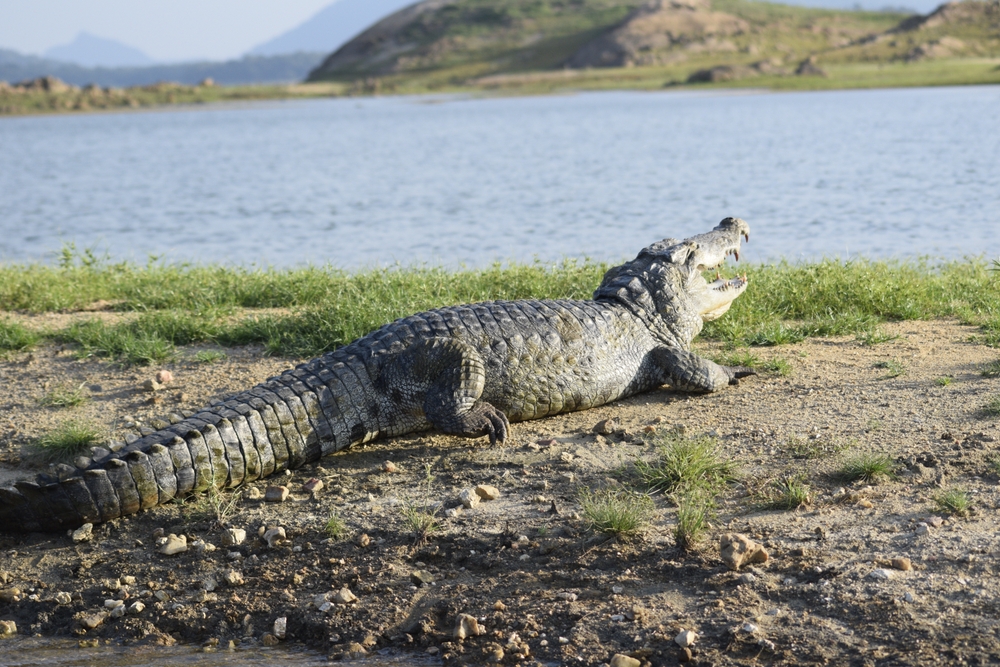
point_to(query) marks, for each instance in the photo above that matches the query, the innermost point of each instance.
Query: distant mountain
(93, 51)
(16, 67)
(330, 27)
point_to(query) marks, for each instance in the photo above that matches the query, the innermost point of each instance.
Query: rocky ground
(864, 574)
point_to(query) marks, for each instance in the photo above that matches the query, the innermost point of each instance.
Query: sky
(165, 30)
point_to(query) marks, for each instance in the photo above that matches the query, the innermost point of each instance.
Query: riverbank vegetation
(139, 314)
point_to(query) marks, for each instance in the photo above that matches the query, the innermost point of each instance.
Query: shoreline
(946, 73)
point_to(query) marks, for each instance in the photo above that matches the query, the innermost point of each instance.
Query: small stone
(276, 494)
(566, 457)
(467, 626)
(269, 640)
(866, 504)
(280, 625)
(881, 574)
(922, 529)
(747, 578)
(909, 597)
(10, 594)
(111, 604)
(172, 544)
(252, 493)
(686, 655)
(487, 492)
(202, 547)
(568, 597)
(209, 584)
(617, 590)
(685, 638)
(499, 606)
(151, 385)
(934, 521)
(620, 660)
(82, 462)
(164, 377)
(364, 540)
(136, 608)
(8, 628)
(118, 611)
(313, 485)
(233, 537)
(739, 550)
(98, 453)
(749, 628)
(91, 620)
(469, 499)
(233, 578)
(62, 597)
(389, 467)
(766, 644)
(903, 564)
(83, 533)
(344, 596)
(606, 426)
(421, 577)
(274, 536)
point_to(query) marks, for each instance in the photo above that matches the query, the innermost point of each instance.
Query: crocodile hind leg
(443, 379)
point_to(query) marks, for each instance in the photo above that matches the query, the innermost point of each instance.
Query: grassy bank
(312, 310)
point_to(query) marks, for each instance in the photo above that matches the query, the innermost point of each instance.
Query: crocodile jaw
(713, 299)
(715, 246)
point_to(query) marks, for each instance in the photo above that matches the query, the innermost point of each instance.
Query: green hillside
(546, 44)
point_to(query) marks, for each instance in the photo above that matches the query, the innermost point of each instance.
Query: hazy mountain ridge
(16, 67)
(92, 51)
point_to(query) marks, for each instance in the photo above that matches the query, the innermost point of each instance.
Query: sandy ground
(542, 587)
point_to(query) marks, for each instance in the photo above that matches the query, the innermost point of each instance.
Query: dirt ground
(542, 587)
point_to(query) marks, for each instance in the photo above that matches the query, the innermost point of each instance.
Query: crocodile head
(665, 286)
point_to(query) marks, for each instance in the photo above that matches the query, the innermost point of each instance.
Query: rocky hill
(466, 40)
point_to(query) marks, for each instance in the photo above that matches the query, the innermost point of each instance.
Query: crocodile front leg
(688, 372)
(443, 378)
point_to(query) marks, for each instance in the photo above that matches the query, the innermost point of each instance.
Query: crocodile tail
(283, 423)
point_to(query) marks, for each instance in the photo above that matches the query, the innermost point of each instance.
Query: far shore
(48, 95)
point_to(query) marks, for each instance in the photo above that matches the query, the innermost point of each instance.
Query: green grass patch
(695, 507)
(992, 407)
(69, 440)
(616, 512)
(335, 528)
(893, 368)
(748, 359)
(788, 493)
(15, 337)
(991, 370)
(209, 356)
(65, 397)
(944, 381)
(421, 521)
(875, 336)
(871, 468)
(956, 502)
(683, 463)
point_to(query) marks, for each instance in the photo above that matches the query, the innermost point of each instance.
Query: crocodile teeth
(736, 254)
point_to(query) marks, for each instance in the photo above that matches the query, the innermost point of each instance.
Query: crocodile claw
(737, 372)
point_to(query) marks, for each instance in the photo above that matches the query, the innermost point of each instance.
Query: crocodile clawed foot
(490, 421)
(737, 372)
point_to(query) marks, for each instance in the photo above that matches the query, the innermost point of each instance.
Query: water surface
(451, 181)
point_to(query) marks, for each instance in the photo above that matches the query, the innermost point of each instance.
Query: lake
(469, 181)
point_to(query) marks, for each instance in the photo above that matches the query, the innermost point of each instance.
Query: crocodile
(468, 370)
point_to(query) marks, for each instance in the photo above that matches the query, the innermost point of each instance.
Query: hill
(441, 43)
(16, 67)
(330, 28)
(93, 51)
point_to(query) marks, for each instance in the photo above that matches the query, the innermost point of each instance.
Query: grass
(335, 527)
(875, 336)
(683, 463)
(308, 311)
(695, 507)
(893, 368)
(870, 468)
(69, 440)
(65, 397)
(209, 356)
(15, 337)
(944, 381)
(421, 522)
(788, 493)
(991, 370)
(953, 501)
(746, 358)
(992, 407)
(617, 512)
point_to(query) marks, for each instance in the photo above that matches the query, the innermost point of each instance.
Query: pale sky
(166, 30)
